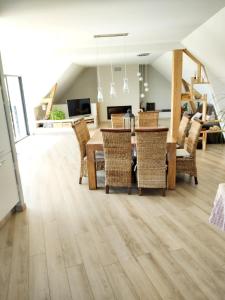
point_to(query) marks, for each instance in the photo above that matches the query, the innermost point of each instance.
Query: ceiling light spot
(143, 54)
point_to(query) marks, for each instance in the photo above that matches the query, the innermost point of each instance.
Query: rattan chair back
(118, 157)
(193, 136)
(151, 157)
(82, 134)
(148, 119)
(182, 131)
(117, 120)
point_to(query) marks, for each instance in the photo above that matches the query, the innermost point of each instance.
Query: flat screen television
(78, 107)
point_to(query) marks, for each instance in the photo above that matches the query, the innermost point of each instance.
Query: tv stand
(67, 123)
(91, 119)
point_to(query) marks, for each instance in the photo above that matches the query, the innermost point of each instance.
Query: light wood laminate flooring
(72, 243)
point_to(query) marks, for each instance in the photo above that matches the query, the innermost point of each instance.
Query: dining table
(96, 144)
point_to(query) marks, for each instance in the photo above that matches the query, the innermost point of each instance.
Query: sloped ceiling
(69, 26)
(66, 80)
(41, 39)
(207, 43)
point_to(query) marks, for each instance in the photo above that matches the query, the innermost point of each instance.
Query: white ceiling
(67, 27)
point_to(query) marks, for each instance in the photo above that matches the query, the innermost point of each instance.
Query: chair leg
(196, 179)
(129, 190)
(164, 192)
(80, 180)
(106, 189)
(139, 191)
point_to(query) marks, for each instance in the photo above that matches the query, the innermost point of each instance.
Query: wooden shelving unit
(191, 94)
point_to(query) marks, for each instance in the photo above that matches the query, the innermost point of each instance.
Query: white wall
(159, 89)
(163, 66)
(121, 99)
(208, 44)
(39, 72)
(84, 86)
(66, 81)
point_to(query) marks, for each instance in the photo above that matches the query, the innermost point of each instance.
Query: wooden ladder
(48, 101)
(191, 95)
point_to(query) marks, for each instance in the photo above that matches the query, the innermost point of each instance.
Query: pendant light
(99, 88)
(138, 74)
(112, 91)
(125, 86)
(100, 94)
(125, 79)
(146, 89)
(142, 95)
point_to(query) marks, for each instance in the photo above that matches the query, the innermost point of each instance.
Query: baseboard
(19, 207)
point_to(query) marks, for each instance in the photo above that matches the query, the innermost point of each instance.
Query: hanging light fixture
(146, 84)
(100, 94)
(146, 89)
(125, 86)
(112, 84)
(99, 88)
(125, 79)
(112, 91)
(142, 95)
(145, 77)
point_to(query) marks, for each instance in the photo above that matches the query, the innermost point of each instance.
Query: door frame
(23, 104)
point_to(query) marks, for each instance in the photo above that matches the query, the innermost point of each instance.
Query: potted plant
(57, 115)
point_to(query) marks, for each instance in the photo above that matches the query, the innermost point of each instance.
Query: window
(14, 88)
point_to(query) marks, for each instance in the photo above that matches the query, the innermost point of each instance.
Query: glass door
(14, 88)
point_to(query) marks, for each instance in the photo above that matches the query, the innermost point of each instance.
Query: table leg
(204, 140)
(171, 154)
(92, 180)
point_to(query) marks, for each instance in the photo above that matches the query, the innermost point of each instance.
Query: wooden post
(171, 155)
(199, 72)
(204, 107)
(50, 100)
(177, 61)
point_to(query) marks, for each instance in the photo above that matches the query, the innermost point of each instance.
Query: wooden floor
(72, 243)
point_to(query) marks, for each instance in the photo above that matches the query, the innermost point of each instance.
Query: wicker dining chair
(182, 131)
(118, 158)
(186, 158)
(117, 120)
(148, 119)
(151, 158)
(82, 133)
